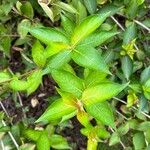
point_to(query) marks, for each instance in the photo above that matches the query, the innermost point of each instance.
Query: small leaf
(32, 134)
(139, 141)
(145, 75)
(27, 10)
(38, 54)
(27, 147)
(68, 82)
(59, 142)
(100, 92)
(56, 111)
(102, 112)
(67, 7)
(20, 29)
(34, 81)
(87, 26)
(91, 5)
(114, 139)
(67, 24)
(82, 13)
(130, 33)
(97, 38)
(43, 142)
(47, 10)
(90, 58)
(127, 66)
(19, 85)
(4, 76)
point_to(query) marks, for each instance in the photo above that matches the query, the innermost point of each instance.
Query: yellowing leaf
(101, 92)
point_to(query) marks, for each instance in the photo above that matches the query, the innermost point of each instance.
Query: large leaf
(97, 38)
(101, 92)
(57, 61)
(102, 112)
(87, 26)
(38, 54)
(56, 111)
(68, 82)
(90, 58)
(91, 5)
(47, 35)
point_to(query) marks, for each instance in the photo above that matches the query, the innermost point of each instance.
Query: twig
(11, 136)
(2, 145)
(4, 109)
(132, 107)
(121, 115)
(123, 29)
(142, 25)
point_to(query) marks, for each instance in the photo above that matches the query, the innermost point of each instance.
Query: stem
(92, 144)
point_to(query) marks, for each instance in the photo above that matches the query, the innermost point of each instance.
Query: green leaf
(91, 5)
(94, 77)
(90, 58)
(97, 38)
(47, 35)
(132, 9)
(24, 23)
(102, 112)
(100, 92)
(56, 111)
(38, 54)
(34, 81)
(4, 76)
(82, 13)
(27, 10)
(18, 85)
(130, 33)
(27, 147)
(145, 75)
(146, 89)
(57, 61)
(5, 45)
(67, 24)
(127, 66)
(68, 82)
(114, 139)
(87, 26)
(59, 142)
(47, 10)
(113, 9)
(32, 134)
(43, 142)
(67, 7)
(55, 48)
(139, 141)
